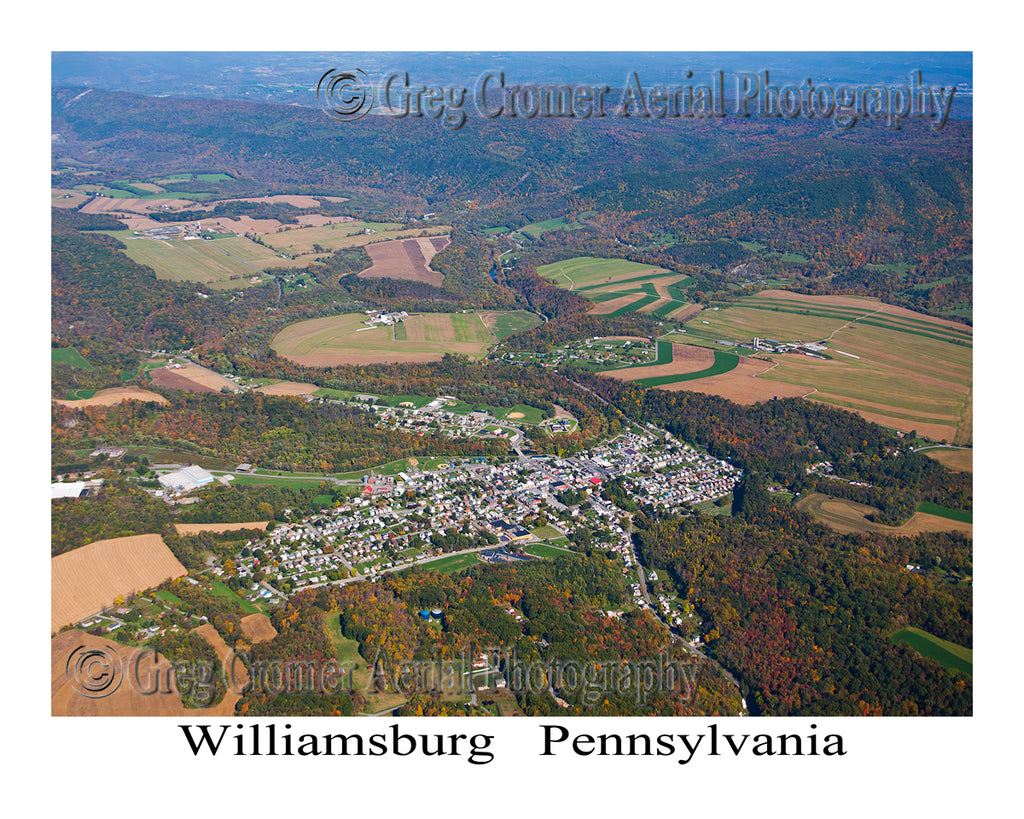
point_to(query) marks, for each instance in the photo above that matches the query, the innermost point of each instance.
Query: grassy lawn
(168, 597)
(546, 532)
(546, 550)
(221, 590)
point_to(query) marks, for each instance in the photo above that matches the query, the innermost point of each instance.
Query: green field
(547, 550)
(724, 362)
(453, 563)
(505, 324)
(943, 512)
(69, 356)
(600, 280)
(221, 590)
(949, 655)
(581, 271)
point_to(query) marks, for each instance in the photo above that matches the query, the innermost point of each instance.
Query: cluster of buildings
(396, 521)
(596, 353)
(382, 319)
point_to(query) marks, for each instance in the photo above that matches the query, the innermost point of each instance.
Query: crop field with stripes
(618, 286)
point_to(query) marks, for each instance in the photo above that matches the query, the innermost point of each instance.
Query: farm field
(505, 324)
(69, 356)
(345, 339)
(405, 259)
(890, 365)
(227, 262)
(959, 460)
(86, 580)
(677, 363)
(258, 628)
(851, 518)
(338, 235)
(287, 388)
(618, 286)
(126, 700)
(111, 397)
(949, 655)
(191, 378)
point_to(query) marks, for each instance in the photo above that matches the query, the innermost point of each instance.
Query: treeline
(562, 605)
(803, 615)
(277, 433)
(118, 509)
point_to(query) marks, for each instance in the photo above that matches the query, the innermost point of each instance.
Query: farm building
(187, 479)
(73, 489)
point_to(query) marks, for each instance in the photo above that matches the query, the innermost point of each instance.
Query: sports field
(890, 365)
(618, 286)
(346, 339)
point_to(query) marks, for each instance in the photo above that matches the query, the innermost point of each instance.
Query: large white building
(187, 479)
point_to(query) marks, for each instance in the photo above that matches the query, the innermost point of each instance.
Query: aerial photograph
(512, 383)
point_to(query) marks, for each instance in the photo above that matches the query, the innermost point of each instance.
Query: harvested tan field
(685, 359)
(319, 220)
(112, 397)
(686, 313)
(86, 580)
(258, 628)
(241, 225)
(191, 378)
(78, 658)
(297, 200)
(959, 460)
(196, 528)
(105, 204)
(345, 339)
(73, 198)
(936, 429)
(606, 307)
(740, 384)
(405, 259)
(135, 221)
(848, 517)
(287, 388)
(430, 327)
